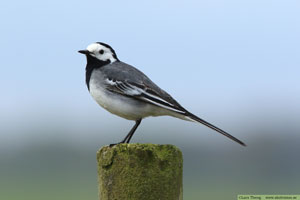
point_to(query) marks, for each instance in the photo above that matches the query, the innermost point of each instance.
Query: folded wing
(144, 93)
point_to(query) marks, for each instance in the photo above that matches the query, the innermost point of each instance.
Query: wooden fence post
(140, 172)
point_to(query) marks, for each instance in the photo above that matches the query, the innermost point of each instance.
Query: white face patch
(101, 52)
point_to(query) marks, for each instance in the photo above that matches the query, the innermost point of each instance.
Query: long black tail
(197, 119)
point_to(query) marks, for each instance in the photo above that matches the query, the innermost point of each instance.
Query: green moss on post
(140, 172)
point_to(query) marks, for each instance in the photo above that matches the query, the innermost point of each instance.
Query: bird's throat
(92, 63)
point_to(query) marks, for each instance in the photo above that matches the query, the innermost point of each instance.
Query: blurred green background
(233, 63)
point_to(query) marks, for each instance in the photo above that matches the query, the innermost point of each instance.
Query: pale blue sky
(223, 60)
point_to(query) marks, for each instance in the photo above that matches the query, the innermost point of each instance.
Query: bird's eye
(101, 51)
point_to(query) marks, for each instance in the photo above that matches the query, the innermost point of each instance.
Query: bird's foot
(111, 145)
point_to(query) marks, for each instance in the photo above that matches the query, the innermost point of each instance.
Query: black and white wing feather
(146, 94)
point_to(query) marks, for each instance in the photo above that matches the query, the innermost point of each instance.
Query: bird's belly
(120, 105)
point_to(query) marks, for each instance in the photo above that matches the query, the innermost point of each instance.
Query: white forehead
(95, 47)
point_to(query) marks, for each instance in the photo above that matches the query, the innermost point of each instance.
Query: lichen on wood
(140, 172)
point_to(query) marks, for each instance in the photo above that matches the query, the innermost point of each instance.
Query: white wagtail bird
(127, 92)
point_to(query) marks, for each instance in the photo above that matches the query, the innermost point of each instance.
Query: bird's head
(101, 52)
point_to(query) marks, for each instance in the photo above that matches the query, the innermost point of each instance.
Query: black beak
(86, 52)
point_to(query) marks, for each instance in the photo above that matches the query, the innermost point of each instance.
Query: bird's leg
(130, 134)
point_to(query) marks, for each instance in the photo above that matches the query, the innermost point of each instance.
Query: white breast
(100, 96)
